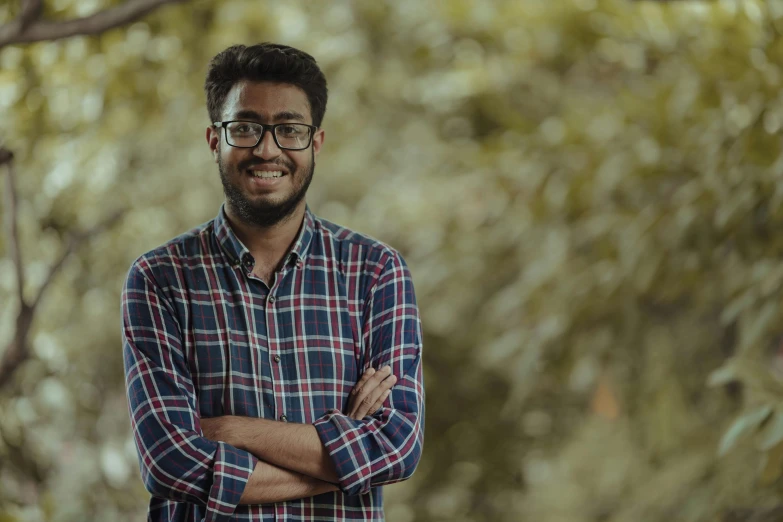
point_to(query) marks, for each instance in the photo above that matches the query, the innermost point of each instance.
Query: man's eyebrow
(253, 115)
(289, 115)
(247, 115)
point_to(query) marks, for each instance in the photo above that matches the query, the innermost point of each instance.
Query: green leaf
(723, 375)
(741, 426)
(772, 434)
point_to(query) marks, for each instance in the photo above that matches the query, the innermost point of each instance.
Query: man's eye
(289, 130)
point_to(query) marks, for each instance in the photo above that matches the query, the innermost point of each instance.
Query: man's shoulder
(175, 252)
(348, 243)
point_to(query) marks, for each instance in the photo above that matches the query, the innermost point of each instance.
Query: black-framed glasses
(248, 134)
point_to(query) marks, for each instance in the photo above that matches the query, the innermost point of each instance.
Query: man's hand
(370, 392)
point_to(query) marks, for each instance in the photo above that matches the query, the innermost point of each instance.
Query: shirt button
(272, 299)
(277, 358)
(248, 261)
(284, 418)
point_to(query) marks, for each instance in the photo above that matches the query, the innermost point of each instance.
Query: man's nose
(267, 148)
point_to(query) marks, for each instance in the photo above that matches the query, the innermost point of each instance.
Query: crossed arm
(221, 462)
(293, 462)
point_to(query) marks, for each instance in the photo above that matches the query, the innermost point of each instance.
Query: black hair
(265, 62)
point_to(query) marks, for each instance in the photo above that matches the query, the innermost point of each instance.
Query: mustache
(250, 164)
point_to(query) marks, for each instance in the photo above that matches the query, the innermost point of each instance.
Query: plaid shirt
(203, 337)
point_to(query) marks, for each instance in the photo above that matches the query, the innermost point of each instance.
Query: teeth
(265, 174)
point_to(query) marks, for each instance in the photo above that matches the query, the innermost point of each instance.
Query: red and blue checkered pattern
(203, 337)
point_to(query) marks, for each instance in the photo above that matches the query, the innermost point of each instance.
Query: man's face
(250, 198)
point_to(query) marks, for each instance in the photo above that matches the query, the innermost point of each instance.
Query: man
(272, 358)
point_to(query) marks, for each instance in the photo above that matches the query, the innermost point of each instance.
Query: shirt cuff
(343, 437)
(232, 470)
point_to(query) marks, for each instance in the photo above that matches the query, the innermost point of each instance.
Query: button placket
(273, 346)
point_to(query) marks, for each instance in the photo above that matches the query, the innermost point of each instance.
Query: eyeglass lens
(247, 134)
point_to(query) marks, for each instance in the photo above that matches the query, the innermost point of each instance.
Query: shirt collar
(305, 236)
(237, 250)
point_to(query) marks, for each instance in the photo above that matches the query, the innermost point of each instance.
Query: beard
(262, 212)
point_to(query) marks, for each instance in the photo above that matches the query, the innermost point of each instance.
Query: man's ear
(318, 141)
(213, 140)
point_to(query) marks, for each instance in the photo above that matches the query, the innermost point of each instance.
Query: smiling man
(272, 358)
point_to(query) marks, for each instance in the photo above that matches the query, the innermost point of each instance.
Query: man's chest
(291, 352)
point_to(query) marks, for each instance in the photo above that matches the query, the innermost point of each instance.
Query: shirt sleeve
(385, 447)
(177, 463)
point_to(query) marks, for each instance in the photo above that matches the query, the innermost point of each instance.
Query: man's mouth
(266, 174)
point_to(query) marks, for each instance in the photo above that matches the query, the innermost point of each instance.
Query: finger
(379, 403)
(367, 388)
(364, 389)
(371, 382)
(365, 377)
(359, 390)
(369, 404)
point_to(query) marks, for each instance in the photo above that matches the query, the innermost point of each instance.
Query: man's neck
(268, 245)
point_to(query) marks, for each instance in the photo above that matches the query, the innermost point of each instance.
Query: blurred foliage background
(589, 194)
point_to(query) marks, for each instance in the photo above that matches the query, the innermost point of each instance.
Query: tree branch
(29, 28)
(18, 350)
(31, 11)
(12, 220)
(74, 241)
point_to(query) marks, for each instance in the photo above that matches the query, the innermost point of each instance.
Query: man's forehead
(267, 100)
